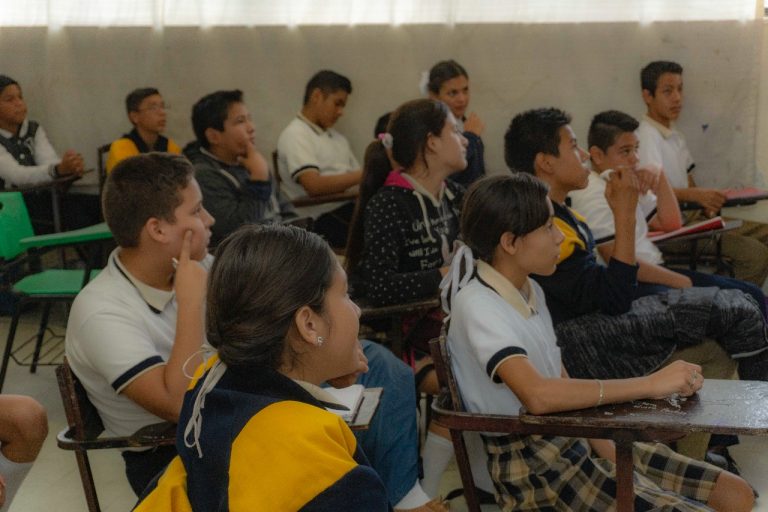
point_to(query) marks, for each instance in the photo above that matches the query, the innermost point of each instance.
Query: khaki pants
(746, 247)
(715, 364)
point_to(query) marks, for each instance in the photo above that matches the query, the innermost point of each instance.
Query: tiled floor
(54, 482)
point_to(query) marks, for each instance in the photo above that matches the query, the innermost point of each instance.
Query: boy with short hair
(613, 144)
(27, 157)
(237, 185)
(315, 160)
(134, 328)
(662, 144)
(146, 111)
(603, 328)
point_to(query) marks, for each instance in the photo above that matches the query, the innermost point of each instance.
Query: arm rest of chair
(329, 198)
(158, 434)
(368, 311)
(88, 234)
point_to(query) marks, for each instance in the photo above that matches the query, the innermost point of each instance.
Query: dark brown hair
(140, 188)
(514, 203)
(261, 276)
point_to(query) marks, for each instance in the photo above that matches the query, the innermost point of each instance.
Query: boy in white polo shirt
(661, 144)
(613, 144)
(315, 160)
(133, 329)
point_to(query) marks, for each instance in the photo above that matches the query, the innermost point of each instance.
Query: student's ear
(543, 163)
(213, 135)
(307, 324)
(133, 117)
(507, 243)
(156, 229)
(647, 97)
(316, 96)
(597, 156)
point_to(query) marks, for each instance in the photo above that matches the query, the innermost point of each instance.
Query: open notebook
(350, 397)
(712, 224)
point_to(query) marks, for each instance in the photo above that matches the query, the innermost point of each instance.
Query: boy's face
(13, 108)
(190, 216)
(621, 154)
(328, 108)
(150, 116)
(568, 170)
(237, 135)
(667, 103)
(455, 94)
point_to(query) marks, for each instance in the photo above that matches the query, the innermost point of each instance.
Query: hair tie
(454, 280)
(424, 83)
(386, 140)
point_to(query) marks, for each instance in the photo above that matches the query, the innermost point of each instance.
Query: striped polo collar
(155, 298)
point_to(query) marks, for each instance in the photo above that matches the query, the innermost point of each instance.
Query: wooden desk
(395, 314)
(721, 407)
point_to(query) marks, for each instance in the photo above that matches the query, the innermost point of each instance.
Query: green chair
(17, 243)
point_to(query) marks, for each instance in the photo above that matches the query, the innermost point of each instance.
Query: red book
(712, 224)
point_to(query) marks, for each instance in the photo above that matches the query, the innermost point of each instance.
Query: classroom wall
(75, 79)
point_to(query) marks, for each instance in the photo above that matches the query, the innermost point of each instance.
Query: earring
(320, 341)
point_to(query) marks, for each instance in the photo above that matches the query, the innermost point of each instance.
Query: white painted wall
(75, 79)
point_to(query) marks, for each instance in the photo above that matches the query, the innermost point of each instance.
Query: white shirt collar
(154, 297)
(22, 130)
(507, 290)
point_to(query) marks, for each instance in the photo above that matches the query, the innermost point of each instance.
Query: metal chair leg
(41, 334)
(9, 341)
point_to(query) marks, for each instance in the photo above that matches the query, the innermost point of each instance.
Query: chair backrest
(14, 224)
(101, 162)
(441, 357)
(82, 417)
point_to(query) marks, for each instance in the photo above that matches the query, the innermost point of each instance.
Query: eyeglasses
(161, 107)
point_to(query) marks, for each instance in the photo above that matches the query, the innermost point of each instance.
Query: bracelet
(602, 393)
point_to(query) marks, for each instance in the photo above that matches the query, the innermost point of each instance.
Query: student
(264, 439)
(146, 112)
(233, 175)
(133, 327)
(449, 83)
(604, 329)
(613, 144)
(500, 332)
(315, 160)
(26, 156)
(23, 428)
(134, 330)
(662, 144)
(405, 225)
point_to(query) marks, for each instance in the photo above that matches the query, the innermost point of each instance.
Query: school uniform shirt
(664, 146)
(491, 322)
(304, 146)
(26, 158)
(265, 442)
(593, 205)
(131, 144)
(580, 285)
(408, 236)
(118, 329)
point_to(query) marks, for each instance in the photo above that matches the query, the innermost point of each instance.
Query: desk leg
(56, 204)
(625, 494)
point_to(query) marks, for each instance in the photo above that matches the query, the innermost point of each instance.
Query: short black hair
(530, 133)
(211, 111)
(328, 82)
(650, 74)
(136, 96)
(442, 72)
(5, 81)
(607, 126)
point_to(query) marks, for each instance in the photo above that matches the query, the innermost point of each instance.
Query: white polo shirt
(305, 146)
(664, 146)
(591, 203)
(118, 329)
